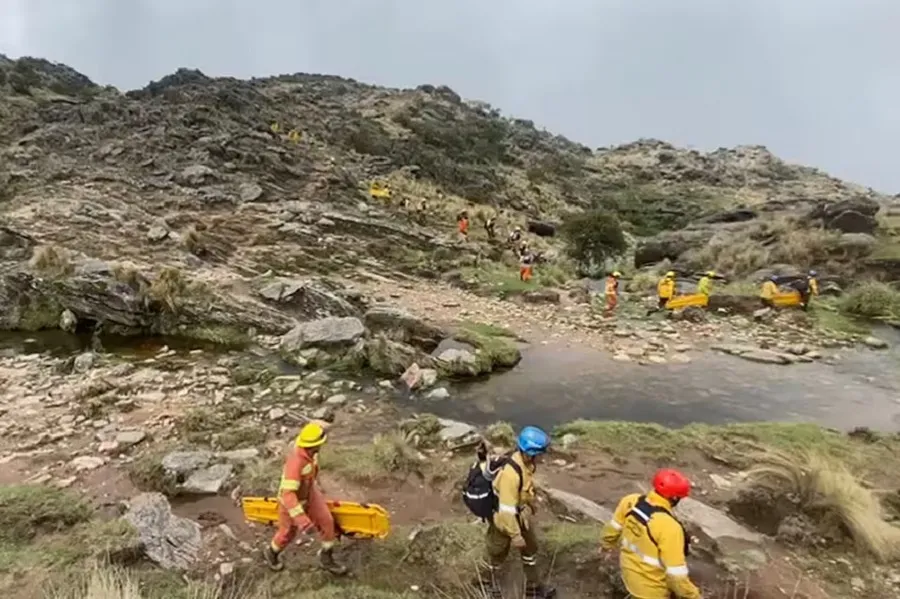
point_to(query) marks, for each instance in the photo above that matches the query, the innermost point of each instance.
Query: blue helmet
(533, 441)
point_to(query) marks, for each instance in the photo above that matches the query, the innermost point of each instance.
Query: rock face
(169, 541)
(854, 215)
(326, 333)
(306, 299)
(402, 326)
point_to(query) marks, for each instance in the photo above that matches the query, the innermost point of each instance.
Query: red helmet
(671, 484)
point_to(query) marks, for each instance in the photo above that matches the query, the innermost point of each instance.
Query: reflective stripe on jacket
(650, 570)
(297, 478)
(813, 286)
(510, 500)
(665, 288)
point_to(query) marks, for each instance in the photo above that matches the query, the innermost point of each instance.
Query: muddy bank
(557, 383)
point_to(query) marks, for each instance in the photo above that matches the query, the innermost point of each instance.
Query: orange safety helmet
(671, 484)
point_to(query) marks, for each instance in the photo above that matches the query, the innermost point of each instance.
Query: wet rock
(452, 430)
(399, 325)
(875, 343)
(157, 233)
(429, 377)
(84, 463)
(208, 481)
(439, 393)
(84, 362)
(576, 504)
(169, 541)
(541, 296)
(250, 192)
(459, 362)
(326, 333)
(68, 321)
(412, 377)
(392, 357)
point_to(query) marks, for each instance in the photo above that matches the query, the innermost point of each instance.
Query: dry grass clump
(167, 287)
(825, 485)
(51, 261)
(872, 300)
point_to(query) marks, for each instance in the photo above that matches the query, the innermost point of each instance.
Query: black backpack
(478, 494)
(643, 510)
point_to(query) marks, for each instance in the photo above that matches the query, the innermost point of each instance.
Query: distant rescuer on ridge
(301, 504)
(611, 291)
(652, 543)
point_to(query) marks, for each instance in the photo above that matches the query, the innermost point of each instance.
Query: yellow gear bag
(785, 299)
(354, 520)
(680, 302)
(379, 190)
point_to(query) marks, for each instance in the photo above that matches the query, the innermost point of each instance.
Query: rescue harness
(643, 510)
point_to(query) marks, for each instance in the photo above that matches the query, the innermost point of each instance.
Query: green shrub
(872, 300)
(26, 510)
(592, 238)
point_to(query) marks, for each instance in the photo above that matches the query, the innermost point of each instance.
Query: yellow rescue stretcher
(379, 190)
(680, 302)
(354, 520)
(786, 299)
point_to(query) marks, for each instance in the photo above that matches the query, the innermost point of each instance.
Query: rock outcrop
(169, 541)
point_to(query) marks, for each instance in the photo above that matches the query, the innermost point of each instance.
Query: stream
(557, 383)
(554, 384)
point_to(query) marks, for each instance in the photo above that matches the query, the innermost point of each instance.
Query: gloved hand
(303, 523)
(518, 542)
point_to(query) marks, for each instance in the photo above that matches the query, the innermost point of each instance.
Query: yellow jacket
(511, 502)
(769, 290)
(813, 286)
(665, 288)
(704, 286)
(650, 570)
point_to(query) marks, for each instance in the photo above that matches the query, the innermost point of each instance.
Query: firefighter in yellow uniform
(705, 284)
(652, 543)
(513, 521)
(665, 289)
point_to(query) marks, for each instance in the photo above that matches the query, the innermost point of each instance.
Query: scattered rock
(277, 413)
(183, 463)
(439, 393)
(714, 523)
(621, 357)
(568, 440)
(875, 342)
(68, 321)
(453, 430)
(429, 377)
(208, 481)
(195, 175)
(239, 455)
(326, 333)
(399, 325)
(157, 233)
(459, 362)
(83, 463)
(84, 362)
(412, 377)
(168, 540)
(336, 400)
(541, 296)
(127, 439)
(250, 192)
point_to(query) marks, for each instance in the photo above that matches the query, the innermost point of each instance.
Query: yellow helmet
(710, 273)
(670, 274)
(311, 435)
(616, 274)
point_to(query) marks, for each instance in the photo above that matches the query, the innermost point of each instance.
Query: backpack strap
(643, 510)
(518, 469)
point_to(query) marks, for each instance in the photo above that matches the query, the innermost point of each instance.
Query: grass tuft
(872, 300)
(27, 510)
(51, 261)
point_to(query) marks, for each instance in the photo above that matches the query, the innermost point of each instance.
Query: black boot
(329, 564)
(273, 559)
(536, 590)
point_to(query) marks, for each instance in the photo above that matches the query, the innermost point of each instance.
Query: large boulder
(669, 245)
(541, 228)
(307, 299)
(402, 326)
(391, 357)
(856, 215)
(578, 505)
(326, 333)
(168, 540)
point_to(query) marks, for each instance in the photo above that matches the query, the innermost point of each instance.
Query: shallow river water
(555, 384)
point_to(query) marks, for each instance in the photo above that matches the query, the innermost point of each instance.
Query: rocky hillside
(198, 191)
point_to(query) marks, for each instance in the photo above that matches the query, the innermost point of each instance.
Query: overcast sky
(817, 81)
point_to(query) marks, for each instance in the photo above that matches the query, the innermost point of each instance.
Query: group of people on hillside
(515, 239)
(650, 542)
(667, 288)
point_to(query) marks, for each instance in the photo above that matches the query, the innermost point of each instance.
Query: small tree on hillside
(592, 238)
